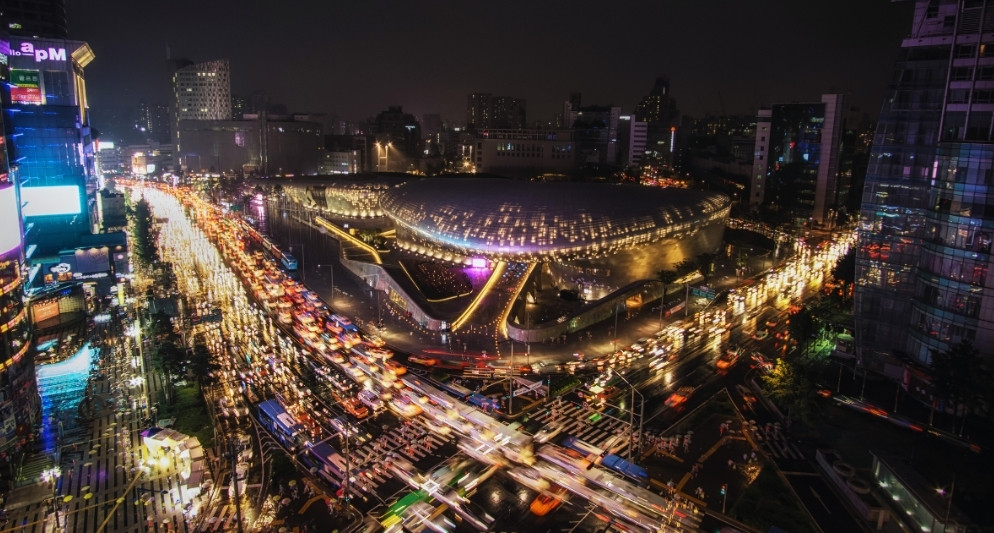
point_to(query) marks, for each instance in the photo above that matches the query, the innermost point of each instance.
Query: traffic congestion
(308, 378)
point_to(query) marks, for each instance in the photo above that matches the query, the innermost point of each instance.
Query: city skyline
(354, 61)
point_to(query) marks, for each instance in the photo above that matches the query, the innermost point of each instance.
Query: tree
(845, 269)
(686, 267)
(789, 387)
(801, 324)
(143, 234)
(667, 277)
(705, 262)
(961, 376)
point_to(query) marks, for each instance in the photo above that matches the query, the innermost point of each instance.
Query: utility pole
(232, 456)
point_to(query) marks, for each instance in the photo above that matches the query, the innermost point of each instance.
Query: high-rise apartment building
(155, 123)
(796, 160)
(485, 111)
(926, 221)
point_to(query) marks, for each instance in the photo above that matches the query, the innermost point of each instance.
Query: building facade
(511, 152)
(926, 224)
(632, 136)
(797, 158)
(20, 405)
(47, 117)
(485, 111)
(259, 144)
(35, 18)
(201, 91)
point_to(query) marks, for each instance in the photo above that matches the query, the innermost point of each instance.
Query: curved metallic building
(591, 234)
(350, 196)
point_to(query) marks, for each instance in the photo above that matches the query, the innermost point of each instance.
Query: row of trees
(704, 263)
(143, 234)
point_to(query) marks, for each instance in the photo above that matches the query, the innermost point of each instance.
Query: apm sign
(40, 53)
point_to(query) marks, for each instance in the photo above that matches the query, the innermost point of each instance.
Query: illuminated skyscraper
(797, 159)
(19, 401)
(927, 219)
(202, 92)
(48, 120)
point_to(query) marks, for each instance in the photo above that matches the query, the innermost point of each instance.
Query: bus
(609, 460)
(585, 448)
(288, 261)
(281, 424)
(456, 390)
(330, 464)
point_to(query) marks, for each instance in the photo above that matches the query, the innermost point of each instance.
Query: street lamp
(941, 491)
(631, 416)
(52, 475)
(331, 268)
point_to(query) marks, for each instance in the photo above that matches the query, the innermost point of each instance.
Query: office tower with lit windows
(796, 159)
(927, 219)
(202, 91)
(658, 110)
(485, 111)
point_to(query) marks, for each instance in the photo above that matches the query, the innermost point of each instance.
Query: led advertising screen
(10, 228)
(25, 95)
(53, 200)
(45, 309)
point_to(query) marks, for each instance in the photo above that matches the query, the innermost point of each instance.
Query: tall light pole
(637, 446)
(331, 268)
(52, 474)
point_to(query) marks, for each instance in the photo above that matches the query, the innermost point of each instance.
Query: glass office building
(50, 143)
(19, 401)
(925, 230)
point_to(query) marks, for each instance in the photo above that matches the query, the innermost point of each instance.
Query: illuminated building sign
(25, 78)
(40, 52)
(25, 87)
(25, 95)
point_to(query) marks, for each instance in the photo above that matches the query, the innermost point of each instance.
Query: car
(394, 367)
(547, 433)
(761, 362)
(370, 398)
(403, 406)
(772, 322)
(355, 408)
(680, 397)
(547, 501)
(761, 334)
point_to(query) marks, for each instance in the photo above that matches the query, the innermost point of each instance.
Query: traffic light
(724, 488)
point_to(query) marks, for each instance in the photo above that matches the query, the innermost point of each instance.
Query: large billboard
(10, 222)
(52, 200)
(25, 87)
(44, 310)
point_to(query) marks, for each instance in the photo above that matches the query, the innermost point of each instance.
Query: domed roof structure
(543, 220)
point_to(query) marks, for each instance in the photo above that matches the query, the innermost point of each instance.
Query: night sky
(354, 58)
